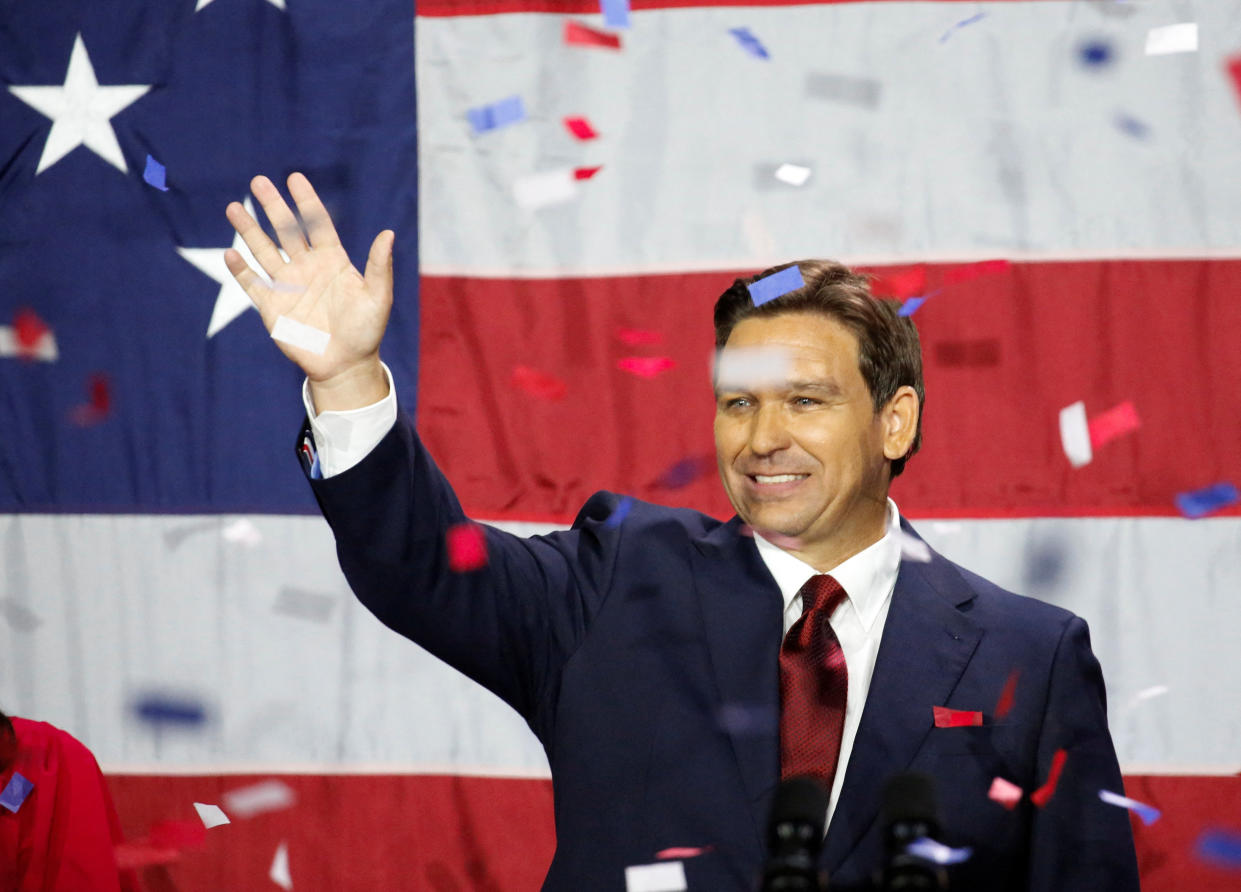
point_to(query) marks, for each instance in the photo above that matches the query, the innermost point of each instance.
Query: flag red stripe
(1004, 352)
(443, 8)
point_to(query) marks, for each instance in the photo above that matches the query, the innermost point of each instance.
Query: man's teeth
(778, 478)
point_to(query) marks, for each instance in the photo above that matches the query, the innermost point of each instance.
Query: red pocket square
(955, 718)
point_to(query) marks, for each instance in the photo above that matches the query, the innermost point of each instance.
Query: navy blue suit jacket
(644, 656)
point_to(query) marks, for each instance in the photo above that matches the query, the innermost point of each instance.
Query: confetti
(279, 872)
(910, 306)
(177, 834)
(964, 23)
(1005, 793)
(618, 515)
(304, 604)
(749, 43)
(1096, 53)
(981, 353)
(165, 709)
(1113, 423)
(154, 174)
(860, 91)
(743, 368)
(664, 876)
(682, 852)
(793, 174)
(138, 854)
(969, 271)
(1182, 38)
(1043, 794)
(20, 617)
(28, 331)
(638, 337)
(955, 718)
(467, 547)
(15, 792)
(615, 13)
(906, 283)
(746, 719)
(585, 173)
(1148, 693)
(579, 35)
(98, 404)
(913, 548)
(538, 383)
(1148, 813)
(776, 285)
(493, 116)
(937, 852)
(1201, 502)
(580, 127)
(540, 190)
(1220, 847)
(645, 366)
(211, 815)
(1075, 435)
(1008, 696)
(1132, 126)
(1232, 67)
(685, 472)
(247, 802)
(301, 335)
(242, 531)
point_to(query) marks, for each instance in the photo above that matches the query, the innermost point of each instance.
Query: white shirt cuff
(345, 438)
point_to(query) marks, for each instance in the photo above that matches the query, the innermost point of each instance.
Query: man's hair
(889, 353)
(8, 743)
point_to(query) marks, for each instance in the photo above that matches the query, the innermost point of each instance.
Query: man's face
(804, 456)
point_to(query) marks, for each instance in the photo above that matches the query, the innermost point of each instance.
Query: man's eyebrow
(828, 387)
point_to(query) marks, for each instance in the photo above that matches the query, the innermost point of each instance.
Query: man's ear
(899, 418)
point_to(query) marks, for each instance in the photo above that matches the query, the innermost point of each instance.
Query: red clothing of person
(63, 836)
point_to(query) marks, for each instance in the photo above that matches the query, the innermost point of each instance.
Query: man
(675, 667)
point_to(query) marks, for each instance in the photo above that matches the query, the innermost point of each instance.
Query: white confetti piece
(540, 190)
(938, 852)
(265, 796)
(1148, 813)
(211, 815)
(43, 349)
(793, 174)
(279, 872)
(1182, 38)
(913, 548)
(667, 876)
(1005, 792)
(741, 368)
(299, 334)
(1075, 435)
(242, 532)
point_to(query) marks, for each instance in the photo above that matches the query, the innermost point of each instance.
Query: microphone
(795, 836)
(909, 813)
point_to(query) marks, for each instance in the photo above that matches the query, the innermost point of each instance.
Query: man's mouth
(772, 479)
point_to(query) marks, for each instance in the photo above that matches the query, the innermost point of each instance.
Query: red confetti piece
(1008, 696)
(177, 834)
(909, 283)
(539, 384)
(638, 337)
(28, 329)
(1113, 423)
(955, 718)
(682, 852)
(969, 271)
(100, 402)
(1005, 793)
(140, 853)
(585, 173)
(978, 353)
(645, 366)
(580, 127)
(467, 547)
(1043, 794)
(1233, 67)
(579, 35)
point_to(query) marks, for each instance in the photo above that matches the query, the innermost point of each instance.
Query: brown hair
(889, 353)
(8, 743)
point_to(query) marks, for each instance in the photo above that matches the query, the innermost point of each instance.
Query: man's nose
(768, 432)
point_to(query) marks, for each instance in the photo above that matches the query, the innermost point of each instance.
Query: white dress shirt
(345, 438)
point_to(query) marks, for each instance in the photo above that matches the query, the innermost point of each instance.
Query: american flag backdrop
(1054, 188)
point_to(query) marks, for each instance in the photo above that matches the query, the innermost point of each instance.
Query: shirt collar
(867, 578)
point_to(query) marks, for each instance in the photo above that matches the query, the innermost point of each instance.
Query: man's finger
(250, 281)
(288, 230)
(263, 249)
(378, 275)
(318, 222)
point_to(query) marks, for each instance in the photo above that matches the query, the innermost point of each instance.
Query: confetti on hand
(937, 852)
(1201, 502)
(467, 547)
(645, 366)
(154, 174)
(1043, 794)
(749, 43)
(1148, 813)
(580, 35)
(1006, 793)
(299, 334)
(955, 718)
(485, 118)
(540, 384)
(580, 128)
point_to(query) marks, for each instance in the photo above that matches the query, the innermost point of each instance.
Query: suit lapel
(927, 643)
(741, 605)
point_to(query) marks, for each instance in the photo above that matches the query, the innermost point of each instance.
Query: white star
(232, 300)
(279, 4)
(81, 111)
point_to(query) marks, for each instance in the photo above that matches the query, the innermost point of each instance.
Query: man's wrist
(355, 388)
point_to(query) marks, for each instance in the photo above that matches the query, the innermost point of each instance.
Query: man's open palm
(316, 285)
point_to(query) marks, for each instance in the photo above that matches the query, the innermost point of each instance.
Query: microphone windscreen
(909, 797)
(800, 800)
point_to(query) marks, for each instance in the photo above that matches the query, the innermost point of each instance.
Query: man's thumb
(378, 273)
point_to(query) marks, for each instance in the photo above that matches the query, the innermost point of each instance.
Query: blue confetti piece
(749, 42)
(1201, 502)
(496, 115)
(155, 174)
(617, 517)
(15, 792)
(160, 709)
(962, 24)
(1132, 126)
(910, 306)
(776, 285)
(1220, 847)
(1096, 53)
(684, 472)
(927, 848)
(615, 13)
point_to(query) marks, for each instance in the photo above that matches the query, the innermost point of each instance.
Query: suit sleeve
(1078, 842)
(511, 624)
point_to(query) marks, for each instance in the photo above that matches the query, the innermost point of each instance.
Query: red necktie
(813, 686)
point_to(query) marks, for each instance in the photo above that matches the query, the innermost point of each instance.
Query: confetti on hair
(1179, 38)
(1115, 422)
(540, 384)
(776, 285)
(279, 873)
(955, 718)
(638, 337)
(1148, 813)
(580, 128)
(749, 43)
(978, 353)
(645, 366)
(162, 709)
(682, 852)
(1008, 696)
(493, 116)
(937, 852)
(685, 472)
(154, 174)
(1221, 848)
(663, 876)
(1006, 793)
(15, 792)
(251, 800)
(211, 815)
(1201, 502)
(1075, 435)
(1043, 794)
(467, 547)
(576, 34)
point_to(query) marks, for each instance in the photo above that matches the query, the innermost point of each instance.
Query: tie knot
(821, 593)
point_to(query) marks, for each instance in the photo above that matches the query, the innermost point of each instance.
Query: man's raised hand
(317, 286)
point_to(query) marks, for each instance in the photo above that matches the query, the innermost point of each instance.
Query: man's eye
(737, 402)
(805, 401)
